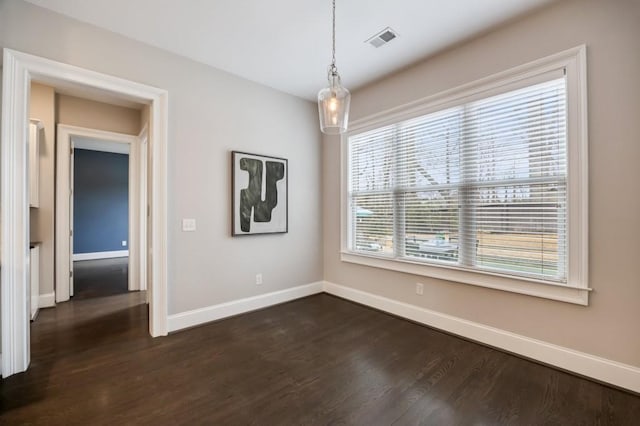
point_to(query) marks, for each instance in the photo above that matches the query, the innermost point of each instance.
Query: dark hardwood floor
(318, 360)
(100, 278)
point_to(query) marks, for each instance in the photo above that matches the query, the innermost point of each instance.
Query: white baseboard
(47, 300)
(605, 370)
(101, 255)
(223, 310)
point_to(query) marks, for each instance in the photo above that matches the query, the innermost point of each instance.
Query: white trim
(101, 145)
(18, 71)
(141, 239)
(100, 255)
(47, 300)
(157, 213)
(35, 129)
(578, 166)
(34, 290)
(577, 289)
(530, 287)
(37, 122)
(235, 307)
(602, 369)
(14, 215)
(136, 261)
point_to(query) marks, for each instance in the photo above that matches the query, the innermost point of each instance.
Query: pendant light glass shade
(334, 101)
(333, 106)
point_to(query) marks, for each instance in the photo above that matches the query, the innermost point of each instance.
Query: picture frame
(260, 194)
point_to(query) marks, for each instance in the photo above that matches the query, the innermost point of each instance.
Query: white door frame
(18, 71)
(64, 200)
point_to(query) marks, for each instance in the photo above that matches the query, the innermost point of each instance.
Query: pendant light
(333, 101)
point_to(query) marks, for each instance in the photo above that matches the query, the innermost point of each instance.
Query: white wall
(210, 113)
(608, 327)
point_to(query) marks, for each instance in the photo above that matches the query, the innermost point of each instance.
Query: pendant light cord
(333, 35)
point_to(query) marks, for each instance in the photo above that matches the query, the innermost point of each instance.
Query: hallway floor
(100, 278)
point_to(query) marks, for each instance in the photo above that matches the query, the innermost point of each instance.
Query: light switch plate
(188, 225)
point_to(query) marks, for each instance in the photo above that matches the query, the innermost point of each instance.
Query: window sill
(530, 287)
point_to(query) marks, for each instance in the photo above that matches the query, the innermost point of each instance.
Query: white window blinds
(482, 185)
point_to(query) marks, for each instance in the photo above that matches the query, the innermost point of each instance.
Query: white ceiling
(286, 44)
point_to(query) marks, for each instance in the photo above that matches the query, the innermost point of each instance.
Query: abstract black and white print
(259, 194)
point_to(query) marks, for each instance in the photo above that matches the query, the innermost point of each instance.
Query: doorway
(101, 206)
(91, 143)
(19, 69)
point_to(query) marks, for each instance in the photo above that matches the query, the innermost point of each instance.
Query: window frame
(576, 289)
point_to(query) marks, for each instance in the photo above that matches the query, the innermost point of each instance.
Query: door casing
(64, 205)
(19, 69)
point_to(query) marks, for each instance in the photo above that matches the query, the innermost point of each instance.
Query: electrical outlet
(419, 289)
(258, 279)
(124, 243)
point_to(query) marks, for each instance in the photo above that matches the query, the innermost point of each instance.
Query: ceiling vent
(382, 38)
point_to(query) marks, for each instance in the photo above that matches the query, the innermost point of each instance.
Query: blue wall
(100, 202)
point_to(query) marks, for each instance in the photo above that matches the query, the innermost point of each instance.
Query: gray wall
(608, 327)
(210, 113)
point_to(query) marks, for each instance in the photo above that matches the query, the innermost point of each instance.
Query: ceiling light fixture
(334, 101)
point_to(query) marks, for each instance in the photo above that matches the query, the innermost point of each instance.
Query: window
(477, 184)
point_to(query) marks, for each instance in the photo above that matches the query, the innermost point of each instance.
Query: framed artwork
(260, 194)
